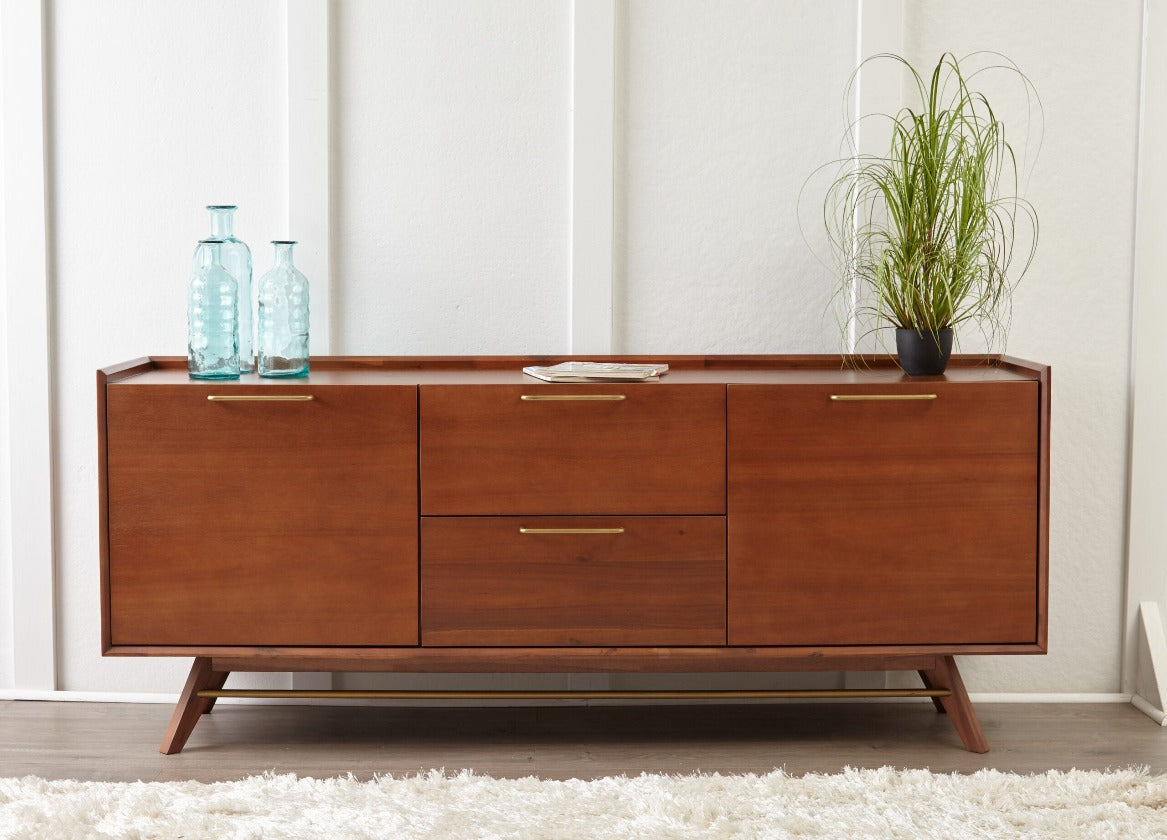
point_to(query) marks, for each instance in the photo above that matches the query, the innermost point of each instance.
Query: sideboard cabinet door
(883, 521)
(262, 522)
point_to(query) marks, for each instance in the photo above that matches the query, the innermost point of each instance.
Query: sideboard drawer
(258, 521)
(644, 448)
(571, 581)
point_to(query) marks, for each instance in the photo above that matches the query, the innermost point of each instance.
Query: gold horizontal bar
(571, 530)
(261, 398)
(837, 693)
(880, 397)
(572, 397)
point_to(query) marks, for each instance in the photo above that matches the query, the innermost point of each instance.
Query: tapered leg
(928, 684)
(960, 710)
(190, 706)
(216, 684)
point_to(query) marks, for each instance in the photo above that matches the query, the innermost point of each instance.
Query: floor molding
(1049, 697)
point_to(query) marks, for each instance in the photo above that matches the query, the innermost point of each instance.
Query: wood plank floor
(119, 742)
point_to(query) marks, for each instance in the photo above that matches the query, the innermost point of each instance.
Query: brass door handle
(880, 397)
(571, 397)
(571, 530)
(261, 397)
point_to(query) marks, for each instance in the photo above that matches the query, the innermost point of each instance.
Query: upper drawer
(640, 448)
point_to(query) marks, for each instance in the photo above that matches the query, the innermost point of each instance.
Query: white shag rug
(883, 803)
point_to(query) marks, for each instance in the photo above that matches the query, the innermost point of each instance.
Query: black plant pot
(924, 354)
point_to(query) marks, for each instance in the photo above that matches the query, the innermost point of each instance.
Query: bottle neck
(284, 253)
(212, 255)
(222, 222)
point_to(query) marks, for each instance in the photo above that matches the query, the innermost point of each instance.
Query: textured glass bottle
(236, 258)
(283, 317)
(212, 322)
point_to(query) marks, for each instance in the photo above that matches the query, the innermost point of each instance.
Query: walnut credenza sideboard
(743, 513)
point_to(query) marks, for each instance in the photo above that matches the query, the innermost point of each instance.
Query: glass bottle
(236, 258)
(212, 350)
(283, 316)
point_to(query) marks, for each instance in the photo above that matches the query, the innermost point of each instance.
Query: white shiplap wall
(6, 675)
(451, 229)
(452, 130)
(156, 110)
(1073, 310)
(723, 112)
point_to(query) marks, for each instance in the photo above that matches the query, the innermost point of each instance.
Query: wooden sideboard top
(507, 370)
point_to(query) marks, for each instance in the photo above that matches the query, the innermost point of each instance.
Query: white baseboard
(171, 699)
(87, 696)
(1048, 697)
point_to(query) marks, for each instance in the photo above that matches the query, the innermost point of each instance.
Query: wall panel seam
(592, 138)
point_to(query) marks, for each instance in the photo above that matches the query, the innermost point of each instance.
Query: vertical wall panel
(1073, 309)
(155, 110)
(452, 176)
(723, 110)
(6, 675)
(26, 331)
(1147, 529)
(6, 651)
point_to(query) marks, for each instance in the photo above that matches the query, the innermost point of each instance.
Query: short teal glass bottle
(236, 258)
(212, 321)
(283, 317)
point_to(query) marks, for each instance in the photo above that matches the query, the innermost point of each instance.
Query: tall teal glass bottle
(236, 258)
(283, 317)
(212, 349)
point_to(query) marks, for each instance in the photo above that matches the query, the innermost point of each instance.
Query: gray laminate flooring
(119, 741)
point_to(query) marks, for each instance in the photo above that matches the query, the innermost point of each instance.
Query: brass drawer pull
(571, 397)
(880, 397)
(571, 530)
(261, 398)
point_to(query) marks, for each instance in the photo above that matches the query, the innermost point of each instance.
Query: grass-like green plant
(924, 234)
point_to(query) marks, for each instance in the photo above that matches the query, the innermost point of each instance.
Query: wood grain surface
(572, 660)
(661, 582)
(883, 522)
(660, 450)
(1043, 479)
(956, 705)
(260, 523)
(190, 706)
(507, 370)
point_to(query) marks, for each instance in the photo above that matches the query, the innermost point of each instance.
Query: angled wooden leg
(960, 710)
(216, 684)
(190, 706)
(928, 684)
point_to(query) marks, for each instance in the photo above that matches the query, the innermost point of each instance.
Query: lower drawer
(558, 581)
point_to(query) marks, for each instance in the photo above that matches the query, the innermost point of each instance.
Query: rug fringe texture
(882, 803)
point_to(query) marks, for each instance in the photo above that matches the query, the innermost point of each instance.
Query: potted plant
(925, 233)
